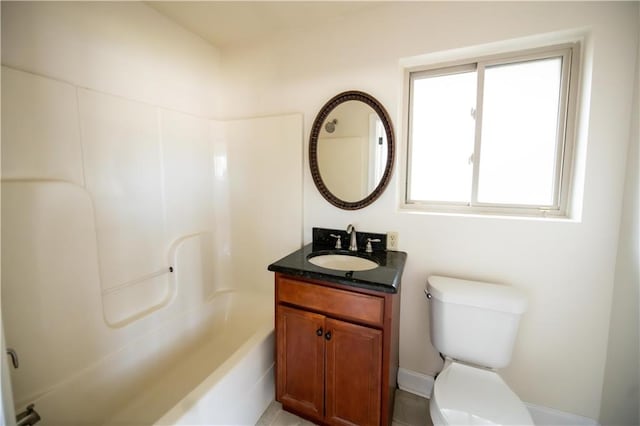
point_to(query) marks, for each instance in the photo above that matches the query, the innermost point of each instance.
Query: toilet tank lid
(483, 295)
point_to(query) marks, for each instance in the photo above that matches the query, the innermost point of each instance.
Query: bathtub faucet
(28, 417)
(353, 243)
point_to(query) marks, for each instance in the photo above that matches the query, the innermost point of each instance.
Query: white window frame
(565, 138)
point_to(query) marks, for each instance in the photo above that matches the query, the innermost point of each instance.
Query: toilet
(474, 326)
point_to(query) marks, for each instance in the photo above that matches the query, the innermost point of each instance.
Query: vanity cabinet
(337, 351)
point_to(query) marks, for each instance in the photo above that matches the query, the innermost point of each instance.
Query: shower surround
(128, 213)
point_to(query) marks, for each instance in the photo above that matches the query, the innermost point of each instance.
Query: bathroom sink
(342, 262)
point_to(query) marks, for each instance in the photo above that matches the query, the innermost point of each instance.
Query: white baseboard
(422, 385)
(552, 417)
(415, 383)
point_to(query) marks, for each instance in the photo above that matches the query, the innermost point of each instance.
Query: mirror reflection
(352, 151)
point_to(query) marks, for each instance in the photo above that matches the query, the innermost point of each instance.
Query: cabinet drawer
(339, 303)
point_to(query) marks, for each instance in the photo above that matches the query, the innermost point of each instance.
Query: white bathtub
(236, 393)
(224, 377)
(208, 366)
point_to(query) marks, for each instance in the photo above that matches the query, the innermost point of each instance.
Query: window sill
(465, 212)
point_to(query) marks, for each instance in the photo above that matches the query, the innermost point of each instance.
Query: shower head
(330, 126)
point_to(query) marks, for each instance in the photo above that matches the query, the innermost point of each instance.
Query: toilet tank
(474, 321)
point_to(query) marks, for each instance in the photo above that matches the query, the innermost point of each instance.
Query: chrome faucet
(353, 243)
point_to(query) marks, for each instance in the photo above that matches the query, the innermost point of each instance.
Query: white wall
(113, 168)
(621, 392)
(565, 267)
(127, 50)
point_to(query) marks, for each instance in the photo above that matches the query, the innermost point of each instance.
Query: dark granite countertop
(385, 278)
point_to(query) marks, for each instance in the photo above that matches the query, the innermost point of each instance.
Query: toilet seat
(466, 395)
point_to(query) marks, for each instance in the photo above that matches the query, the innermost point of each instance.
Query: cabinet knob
(328, 335)
(319, 332)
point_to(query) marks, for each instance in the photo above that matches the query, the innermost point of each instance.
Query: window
(493, 134)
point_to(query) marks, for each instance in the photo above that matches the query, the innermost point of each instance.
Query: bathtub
(224, 377)
(208, 366)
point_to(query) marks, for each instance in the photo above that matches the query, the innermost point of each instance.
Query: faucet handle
(368, 248)
(338, 241)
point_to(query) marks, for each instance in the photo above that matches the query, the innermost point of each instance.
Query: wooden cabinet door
(300, 360)
(353, 374)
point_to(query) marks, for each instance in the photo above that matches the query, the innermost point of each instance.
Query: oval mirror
(351, 150)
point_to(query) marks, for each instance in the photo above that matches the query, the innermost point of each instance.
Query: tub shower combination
(127, 290)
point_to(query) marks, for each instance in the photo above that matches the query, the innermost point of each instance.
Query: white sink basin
(342, 262)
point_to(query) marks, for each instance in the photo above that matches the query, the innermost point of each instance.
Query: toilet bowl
(474, 326)
(467, 395)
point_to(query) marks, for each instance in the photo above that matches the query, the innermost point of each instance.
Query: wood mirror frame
(369, 100)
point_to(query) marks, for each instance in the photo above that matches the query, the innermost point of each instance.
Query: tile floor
(409, 410)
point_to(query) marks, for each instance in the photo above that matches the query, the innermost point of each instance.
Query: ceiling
(228, 24)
